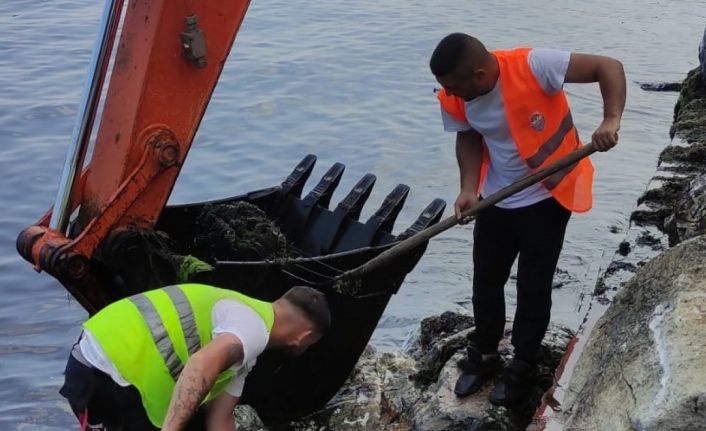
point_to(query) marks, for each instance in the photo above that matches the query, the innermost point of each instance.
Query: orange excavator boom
(168, 58)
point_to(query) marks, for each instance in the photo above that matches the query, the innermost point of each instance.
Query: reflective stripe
(551, 144)
(186, 318)
(159, 334)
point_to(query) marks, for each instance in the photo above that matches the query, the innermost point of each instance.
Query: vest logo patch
(537, 121)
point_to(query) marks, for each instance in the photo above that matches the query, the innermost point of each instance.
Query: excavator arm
(96, 238)
(168, 58)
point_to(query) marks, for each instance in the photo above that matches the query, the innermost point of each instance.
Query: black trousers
(101, 404)
(536, 234)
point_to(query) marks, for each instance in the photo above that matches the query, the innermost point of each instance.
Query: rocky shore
(413, 389)
(644, 364)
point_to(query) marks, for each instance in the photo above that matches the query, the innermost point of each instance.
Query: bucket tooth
(358, 235)
(321, 194)
(298, 213)
(431, 214)
(294, 184)
(386, 215)
(353, 203)
(326, 227)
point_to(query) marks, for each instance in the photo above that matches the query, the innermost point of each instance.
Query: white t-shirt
(228, 315)
(486, 115)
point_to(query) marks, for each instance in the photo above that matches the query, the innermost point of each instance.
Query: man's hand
(464, 201)
(606, 135)
(198, 376)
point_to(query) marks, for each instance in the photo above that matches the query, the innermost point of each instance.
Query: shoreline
(671, 212)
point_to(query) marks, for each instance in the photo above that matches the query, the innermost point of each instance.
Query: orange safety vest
(541, 126)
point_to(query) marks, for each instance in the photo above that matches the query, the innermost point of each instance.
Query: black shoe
(515, 384)
(475, 371)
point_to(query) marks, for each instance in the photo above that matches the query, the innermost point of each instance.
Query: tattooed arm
(198, 378)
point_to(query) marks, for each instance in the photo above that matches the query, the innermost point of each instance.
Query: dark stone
(650, 217)
(688, 218)
(600, 287)
(689, 112)
(647, 240)
(435, 327)
(624, 248)
(666, 194)
(694, 154)
(660, 86)
(616, 266)
(437, 345)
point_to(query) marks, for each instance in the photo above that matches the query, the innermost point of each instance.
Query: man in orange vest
(511, 118)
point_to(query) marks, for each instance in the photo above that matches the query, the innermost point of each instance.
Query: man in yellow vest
(151, 360)
(511, 118)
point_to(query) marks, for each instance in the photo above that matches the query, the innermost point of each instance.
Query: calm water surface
(347, 81)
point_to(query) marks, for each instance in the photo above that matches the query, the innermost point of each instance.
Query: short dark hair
(449, 52)
(313, 305)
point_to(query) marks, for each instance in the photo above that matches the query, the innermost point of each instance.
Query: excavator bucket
(324, 242)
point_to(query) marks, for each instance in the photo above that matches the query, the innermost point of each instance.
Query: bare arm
(220, 413)
(469, 154)
(198, 378)
(609, 74)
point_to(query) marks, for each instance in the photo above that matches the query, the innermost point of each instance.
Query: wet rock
(440, 337)
(624, 248)
(690, 110)
(247, 419)
(614, 229)
(647, 240)
(373, 398)
(613, 268)
(680, 207)
(616, 266)
(660, 86)
(601, 287)
(383, 394)
(660, 202)
(436, 327)
(643, 365)
(694, 154)
(668, 191)
(676, 206)
(562, 277)
(689, 217)
(654, 217)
